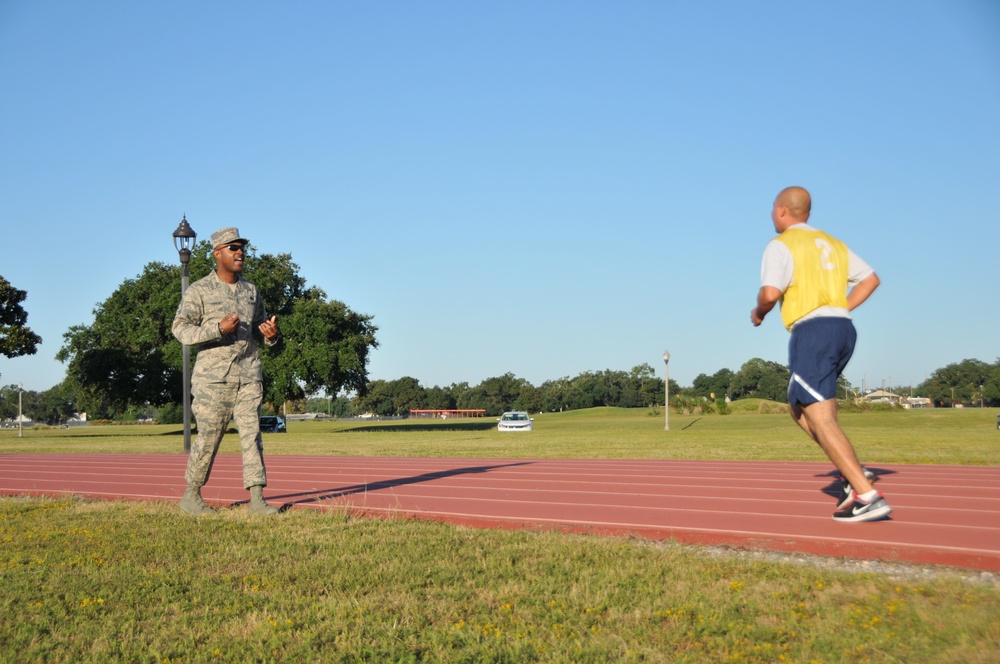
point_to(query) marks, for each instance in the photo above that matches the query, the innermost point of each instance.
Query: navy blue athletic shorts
(818, 352)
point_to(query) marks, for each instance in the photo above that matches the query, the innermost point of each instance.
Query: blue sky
(542, 188)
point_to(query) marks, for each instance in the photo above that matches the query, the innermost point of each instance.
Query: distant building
(917, 402)
(881, 396)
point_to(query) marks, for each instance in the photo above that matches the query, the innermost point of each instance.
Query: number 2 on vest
(825, 247)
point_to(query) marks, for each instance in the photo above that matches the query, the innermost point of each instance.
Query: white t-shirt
(777, 266)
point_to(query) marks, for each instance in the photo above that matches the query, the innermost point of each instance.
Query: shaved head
(796, 200)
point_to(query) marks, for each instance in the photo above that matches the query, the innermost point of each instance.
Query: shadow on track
(326, 494)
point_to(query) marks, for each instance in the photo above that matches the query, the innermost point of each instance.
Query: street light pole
(666, 391)
(184, 238)
(20, 420)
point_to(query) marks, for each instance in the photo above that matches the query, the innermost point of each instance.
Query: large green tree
(717, 384)
(8, 401)
(623, 389)
(52, 406)
(393, 397)
(323, 346)
(761, 379)
(639, 387)
(647, 386)
(445, 398)
(494, 395)
(967, 382)
(16, 338)
(128, 357)
(124, 358)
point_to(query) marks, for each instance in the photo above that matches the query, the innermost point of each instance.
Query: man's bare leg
(819, 421)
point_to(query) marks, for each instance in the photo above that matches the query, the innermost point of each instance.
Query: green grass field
(89, 581)
(937, 436)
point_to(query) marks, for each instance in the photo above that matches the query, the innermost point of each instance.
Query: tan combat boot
(193, 503)
(257, 504)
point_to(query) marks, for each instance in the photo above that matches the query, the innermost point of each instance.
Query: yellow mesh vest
(819, 277)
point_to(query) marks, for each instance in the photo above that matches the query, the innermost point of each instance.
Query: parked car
(514, 420)
(272, 424)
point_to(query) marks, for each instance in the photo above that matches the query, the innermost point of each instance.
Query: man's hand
(229, 323)
(767, 297)
(268, 328)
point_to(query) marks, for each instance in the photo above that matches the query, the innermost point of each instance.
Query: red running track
(944, 515)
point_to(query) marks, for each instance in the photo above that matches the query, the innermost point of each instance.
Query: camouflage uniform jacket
(222, 357)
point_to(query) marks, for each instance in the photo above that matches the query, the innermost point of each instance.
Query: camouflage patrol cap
(227, 236)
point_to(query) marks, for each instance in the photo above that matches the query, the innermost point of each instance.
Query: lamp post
(184, 238)
(20, 420)
(666, 391)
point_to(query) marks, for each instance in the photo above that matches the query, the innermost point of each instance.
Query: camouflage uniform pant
(213, 404)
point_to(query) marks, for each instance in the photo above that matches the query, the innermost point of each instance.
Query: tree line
(126, 363)
(972, 382)
(638, 388)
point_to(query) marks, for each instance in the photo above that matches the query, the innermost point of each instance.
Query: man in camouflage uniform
(222, 314)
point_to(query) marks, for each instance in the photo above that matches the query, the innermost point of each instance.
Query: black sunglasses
(234, 247)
